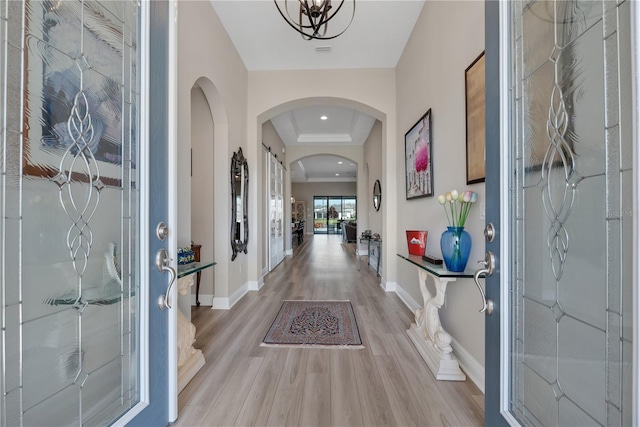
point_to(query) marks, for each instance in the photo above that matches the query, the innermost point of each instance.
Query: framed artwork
(475, 120)
(418, 158)
(86, 106)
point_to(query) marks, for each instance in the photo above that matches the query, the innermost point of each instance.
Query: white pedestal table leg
(427, 334)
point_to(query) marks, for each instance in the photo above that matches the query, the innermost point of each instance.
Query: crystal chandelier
(313, 17)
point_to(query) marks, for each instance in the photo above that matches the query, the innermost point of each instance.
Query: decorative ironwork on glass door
(69, 151)
(571, 343)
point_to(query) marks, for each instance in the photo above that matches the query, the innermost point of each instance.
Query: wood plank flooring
(385, 384)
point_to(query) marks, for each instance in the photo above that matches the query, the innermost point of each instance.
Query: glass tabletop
(436, 270)
(185, 270)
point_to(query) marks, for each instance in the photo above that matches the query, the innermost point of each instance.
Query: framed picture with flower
(418, 158)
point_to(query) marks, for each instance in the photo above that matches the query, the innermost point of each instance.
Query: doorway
(329, 212)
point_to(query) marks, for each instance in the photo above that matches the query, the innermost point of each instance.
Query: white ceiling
(323, 168)
(375, 39)
(304, 126)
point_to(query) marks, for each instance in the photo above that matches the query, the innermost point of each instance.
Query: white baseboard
(362, 252)
(265, 271)
(469, 364)
(388, 286)
(256, 285)
(237, 295)
(219, 303)
(205, 299)
(288, 252)
(227, 303)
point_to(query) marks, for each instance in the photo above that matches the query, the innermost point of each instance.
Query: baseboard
(227, 303)
(388, 286)
(288, 252)
(407, 299)
(363, 252)
(265, 271)
(219, 303)
(468, 363)
(256, 285)
(204, 299)
(237, 295)
(470, 366)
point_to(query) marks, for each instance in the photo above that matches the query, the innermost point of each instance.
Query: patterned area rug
(326, 324)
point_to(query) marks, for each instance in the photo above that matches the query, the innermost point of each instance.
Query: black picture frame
(418, 153)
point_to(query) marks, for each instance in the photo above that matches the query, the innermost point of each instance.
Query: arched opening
(327, 201)
(203, 188)
(202, 184)
(292, 153)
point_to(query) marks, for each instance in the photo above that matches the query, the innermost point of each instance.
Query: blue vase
(455, 244)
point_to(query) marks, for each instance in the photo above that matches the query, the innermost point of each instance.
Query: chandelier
(313, 17)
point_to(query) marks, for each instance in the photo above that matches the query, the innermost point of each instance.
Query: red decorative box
(416, 242)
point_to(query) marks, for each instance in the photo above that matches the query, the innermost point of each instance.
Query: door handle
(489, 263)
(163, 263)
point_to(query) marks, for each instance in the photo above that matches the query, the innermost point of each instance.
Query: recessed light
(337, 174)
(323, 118)
(339, 163)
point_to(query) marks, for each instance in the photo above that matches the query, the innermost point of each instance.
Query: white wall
(221, 74)
(430, 74)
(373, 171)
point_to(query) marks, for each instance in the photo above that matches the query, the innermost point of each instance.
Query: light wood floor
(384, 384)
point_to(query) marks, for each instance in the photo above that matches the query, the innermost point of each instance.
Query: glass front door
(567, 194)
(72, 201)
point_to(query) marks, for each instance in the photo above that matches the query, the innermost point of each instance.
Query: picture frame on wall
(419, 159)
(475, 120)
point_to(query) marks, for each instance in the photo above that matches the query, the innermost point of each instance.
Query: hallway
(386, 383)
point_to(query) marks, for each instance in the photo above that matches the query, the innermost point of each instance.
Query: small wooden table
(427, 334)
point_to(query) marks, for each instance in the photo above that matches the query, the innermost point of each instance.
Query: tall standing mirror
(239, 204)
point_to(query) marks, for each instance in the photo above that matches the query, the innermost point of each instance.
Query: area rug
(318, 324)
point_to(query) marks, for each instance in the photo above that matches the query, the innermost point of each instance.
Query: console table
(375, 242)
(197, 268)
(431, 340)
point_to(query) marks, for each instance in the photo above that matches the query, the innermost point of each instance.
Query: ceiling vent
(323, 49)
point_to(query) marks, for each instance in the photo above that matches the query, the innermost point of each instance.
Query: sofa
(349, 231)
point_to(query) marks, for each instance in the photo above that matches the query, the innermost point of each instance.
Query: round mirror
(377, 195)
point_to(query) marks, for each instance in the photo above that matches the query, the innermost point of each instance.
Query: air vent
(323, 49)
